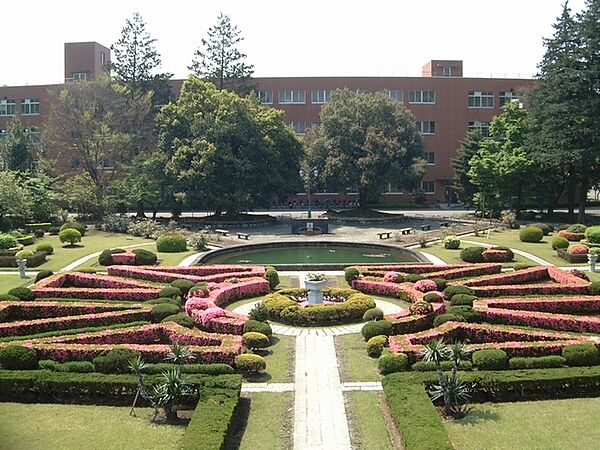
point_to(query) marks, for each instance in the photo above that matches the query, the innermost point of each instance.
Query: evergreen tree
(469, 146)
(16, 148)
(220, 61)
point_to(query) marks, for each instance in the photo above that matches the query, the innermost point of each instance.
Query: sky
(499, 38)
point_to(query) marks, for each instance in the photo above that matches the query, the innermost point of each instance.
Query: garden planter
(315, 291)
(572, 258)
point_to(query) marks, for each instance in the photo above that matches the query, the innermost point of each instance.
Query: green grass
(367, 427)
(280, 360)
(452, 256)
(355, 364)
(54, 427)
(7, 282)
(269, 424)
(171, 259)
(548, 425)
(243, 302)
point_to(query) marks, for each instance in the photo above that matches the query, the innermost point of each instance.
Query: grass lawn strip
(367, 426)
(82, 427)
(547, 424)
(452, 256)
(7, 282)
(354, 363)
(270, 421)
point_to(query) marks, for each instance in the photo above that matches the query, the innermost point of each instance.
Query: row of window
(33, 133)
(477, 99)
(427, 186)
(29, 107)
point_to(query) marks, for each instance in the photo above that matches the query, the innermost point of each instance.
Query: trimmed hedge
(181, 318)
(144, 257)
(447, 317)
(462, 300)
(531, 234)
(540, 362)
(45, 247)
(105, 257)
(22, 293)
(451, 291)
(472, 254)
(546, 229)
(249, 364)
(17, 357)
(581, 354)
(559, 242)
(272, 276)
(115, 360)
(169, 291)
(392, 362)
(490, 359)
(254, 340)
(208, 369)
(429, 366)
(163, 310)
(43, 274)
(466, 312)
(351, 273)
(258, 327)
(376, 345)
(377, 328)
(183, 285)
(171, 243)
(373, 314)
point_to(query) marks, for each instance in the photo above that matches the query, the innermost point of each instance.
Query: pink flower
(425, 285)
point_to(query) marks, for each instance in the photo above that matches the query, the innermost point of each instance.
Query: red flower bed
(570, 236)
(468, 270)
(194, 274)
(10, 311)
(404, 291)
(404, 323)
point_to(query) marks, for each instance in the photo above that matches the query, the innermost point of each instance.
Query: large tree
(89, 127)
(366, 141)
(226, 152)
(219, 59)
(469, 147)
(15, 199)
(16, 149)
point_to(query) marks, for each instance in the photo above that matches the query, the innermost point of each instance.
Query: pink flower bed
(425, 285)
(517, 277)
(570, 236)
(495, 255)
(391, 277)
(123, 258)
(194, 274)
(448, 271)
(403, 322)
(404, 291)
(11, 311)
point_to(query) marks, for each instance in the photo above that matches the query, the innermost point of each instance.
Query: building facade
(445, 105)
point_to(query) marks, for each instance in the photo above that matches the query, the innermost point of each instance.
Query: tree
(365, 142)
(220, 61)
(16, 150)
(14, 197)
(469, 146)
(42, 195)
(227, 153)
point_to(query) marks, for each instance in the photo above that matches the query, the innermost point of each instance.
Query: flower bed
(204, 273)
(403, 291)
(468, 270)
(11, 311)
(570, 236)
(573, 258)
(404, 323)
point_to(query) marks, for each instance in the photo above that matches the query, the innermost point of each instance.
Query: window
(479, 99)
(292, 97)
(34, 135)
(316, 125)
(396, 95)
(2, 133)
(7, 107)
(299, 126)
(506, 97)
(427, 97)
(428, 187)
(30, 106)
(102, 58)
(447, 71)
(79, 76)
(484, 127)
(321, 96)
(430, 158)
(427, 127)
(393, 189)
(265, 97)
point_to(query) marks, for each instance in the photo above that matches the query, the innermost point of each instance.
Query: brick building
(445, 104)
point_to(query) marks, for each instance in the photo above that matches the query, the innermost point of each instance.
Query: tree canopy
(16, 149)
(469, 147)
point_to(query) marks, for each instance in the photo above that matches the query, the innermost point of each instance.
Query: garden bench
(406, 230)
(387, 234)
(222, 232)
(243, 236)
(425, 227)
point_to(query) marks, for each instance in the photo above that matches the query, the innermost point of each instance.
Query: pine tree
(469, 146)
(220, 61)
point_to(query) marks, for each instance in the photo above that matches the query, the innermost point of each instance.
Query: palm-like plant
(166, 394)
(180, 354)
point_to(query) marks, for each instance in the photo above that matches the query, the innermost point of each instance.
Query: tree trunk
(140, 210)
(170, 413)
(571, 202)
(582, 201)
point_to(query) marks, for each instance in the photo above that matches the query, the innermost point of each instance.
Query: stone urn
(592, 259)
(22, 265)
(315, 285)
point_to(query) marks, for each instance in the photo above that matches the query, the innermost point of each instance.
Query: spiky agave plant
(180, 354)
(172, 388)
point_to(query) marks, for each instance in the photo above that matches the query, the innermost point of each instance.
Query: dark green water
(313, 255)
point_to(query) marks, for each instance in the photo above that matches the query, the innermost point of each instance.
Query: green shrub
(115, 360)
(23, 254)
(183, 285)
(272, 276)
(163, 310)
(170, 291)
(467, 312)
(86, 270)
(54, 230)
(546, 229)
(377, 328)
(105, 257)
(541, 362)
(43, 274)
(77, 367)
(373, 314)
(577, 228)
(441, 283)
(171, 243)
(462, 299)
(429, 366)
(48, 364)
(45, 247)
(433, 297)
(259, 312)
(74, 226)
(39, 233)
(414, 277)
(392, 362)
(70, 235)
(531, 234)
(490, 359)
(249, 364)
(8, 298)
(258, 327)
(451, 242)
(375, 346)
(451, 291)
(522, 266)
(255, 341)
(447, 317)
(7, 241)
(17, 357)
(144, 257)
(559, 242)
(594, 288)
(182, 319)
(581, 354)
(351, 273)
(22, 293)
(420, 307)
(164, 300)
(209, 369)
(472, 254)
(199, 287)
(592, 234)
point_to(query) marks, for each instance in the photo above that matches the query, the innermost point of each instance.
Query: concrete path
(319, 411)
(433, 259)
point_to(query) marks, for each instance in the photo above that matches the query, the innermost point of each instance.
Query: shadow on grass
(477, 415)
(234, 438)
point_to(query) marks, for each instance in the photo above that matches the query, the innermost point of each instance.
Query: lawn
(548, 425)
(54, 427)
(355, 364)
(280, 360)
(270, 420)
(452, 256)
(7, 282)
(368, 430)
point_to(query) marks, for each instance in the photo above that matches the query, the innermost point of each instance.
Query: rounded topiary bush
(254, 340)
(199, 290)
(447, 317)
(272, 276)
(8, 298)
(451, 291)
(531, 234)
(490, 359)
(351, 273)
(7, 241)
(379, 327)
(23, 254)
(39, 233)
(43, 274)
(162, 300)
(440, 282)
(465, 311)
(546, 229)
(434, 297)
(559, 242)
(163, 310)
(115, 360)
(420, 307)
(577, 228)
(144, 257)
(412, 277)
(425, 285)
(472, 254)
(375, 346)
(169, 291)
(70, 236)
(258, 327)
(182, 319)
(451, 242)
(183, 285)
(18, 357)
(250, 364)
(394, 277)
(74, 226)
(462, 299)
(22, 293)
(392, 362)
(594, 288)
(45, 247)
(171, 243)
(585, 354)
(373, 314)
(592, 234)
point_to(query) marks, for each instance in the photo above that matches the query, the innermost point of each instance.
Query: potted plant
(315, 282)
